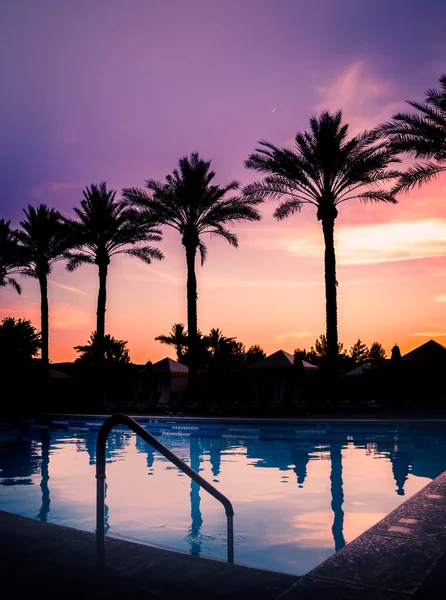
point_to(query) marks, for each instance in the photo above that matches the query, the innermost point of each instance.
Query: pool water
(300, 491)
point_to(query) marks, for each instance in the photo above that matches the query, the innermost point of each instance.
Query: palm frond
(418, 175)
(7, 280)
(378, 196)
(203, 252)
(287, 208)
(145, 253)
(76, 259)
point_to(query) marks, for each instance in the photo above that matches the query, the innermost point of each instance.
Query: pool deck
(402, 557)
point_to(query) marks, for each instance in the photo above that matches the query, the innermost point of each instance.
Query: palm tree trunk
(100, 313)
(191, 251)
(331, 295)
(44, 316)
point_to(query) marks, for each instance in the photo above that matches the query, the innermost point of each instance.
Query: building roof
(168, 365)
(431, 351)
(365, 366)
(279, 360)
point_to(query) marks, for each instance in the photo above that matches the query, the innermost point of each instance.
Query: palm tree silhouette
(325, 169)
(215, 341)
(421, 136)
(107, 227)
(176, 338)
(44, 239)
(10, 256)
(191, 204)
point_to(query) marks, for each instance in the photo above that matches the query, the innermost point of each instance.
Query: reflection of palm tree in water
(194, 536)
(300, 457)
(400, 460)
(337, 494)
(44, 471)
(215, 456)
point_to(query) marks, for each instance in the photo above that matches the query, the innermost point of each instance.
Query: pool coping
(399, 558)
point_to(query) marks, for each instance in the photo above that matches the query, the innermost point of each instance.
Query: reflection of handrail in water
(105, 429)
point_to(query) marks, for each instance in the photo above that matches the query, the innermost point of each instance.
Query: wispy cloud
(430, 333)
(69, 288)
(149, 271)
(440, 298)
(293, 336)
(381, 242)
(262, 283)
(365, 98)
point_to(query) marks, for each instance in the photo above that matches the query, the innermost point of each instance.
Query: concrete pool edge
(397, 558)
(400, 557)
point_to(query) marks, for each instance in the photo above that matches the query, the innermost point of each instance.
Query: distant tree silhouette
(359, 352)
(19, 341)
(376, 353)
(176, 338)
(189, 202)
(226, 353)
(115, 351)
(310, 356)
(11, 258)
(215, 340)
(421, 135)
(325, 169)
(254, 354)
(106, 227)
(44, 239)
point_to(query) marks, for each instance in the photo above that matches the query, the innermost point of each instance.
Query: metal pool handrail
(105, 429)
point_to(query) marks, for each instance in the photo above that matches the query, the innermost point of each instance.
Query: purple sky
(119, 90)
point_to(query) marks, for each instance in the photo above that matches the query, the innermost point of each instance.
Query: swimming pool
(300, 491)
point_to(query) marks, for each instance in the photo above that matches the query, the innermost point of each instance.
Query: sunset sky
(119, 90)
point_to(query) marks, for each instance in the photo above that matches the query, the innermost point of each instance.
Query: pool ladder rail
(120, 419)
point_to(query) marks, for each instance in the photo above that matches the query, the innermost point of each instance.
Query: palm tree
(11, 256)
(421, 136)
(115, 351)
(44, 239)
(215, 341)
(176, 338)
(189, 202)
(106, 227)
(324, 169)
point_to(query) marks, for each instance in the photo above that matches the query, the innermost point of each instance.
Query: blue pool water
(300, 491)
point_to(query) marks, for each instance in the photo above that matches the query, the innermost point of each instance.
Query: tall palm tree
(106, 227)
(44, 239)
(421, 136)
(324, 169)
(11, 256)
(189, 202)
(176, 338)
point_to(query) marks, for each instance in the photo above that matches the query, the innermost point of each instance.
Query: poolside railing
(120, 419)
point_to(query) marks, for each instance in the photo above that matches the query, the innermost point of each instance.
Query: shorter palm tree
(44, 239)
(176, 338)
(105, 228)
(19, 341)
(115, 351)
(421, 135)
(11, 256)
